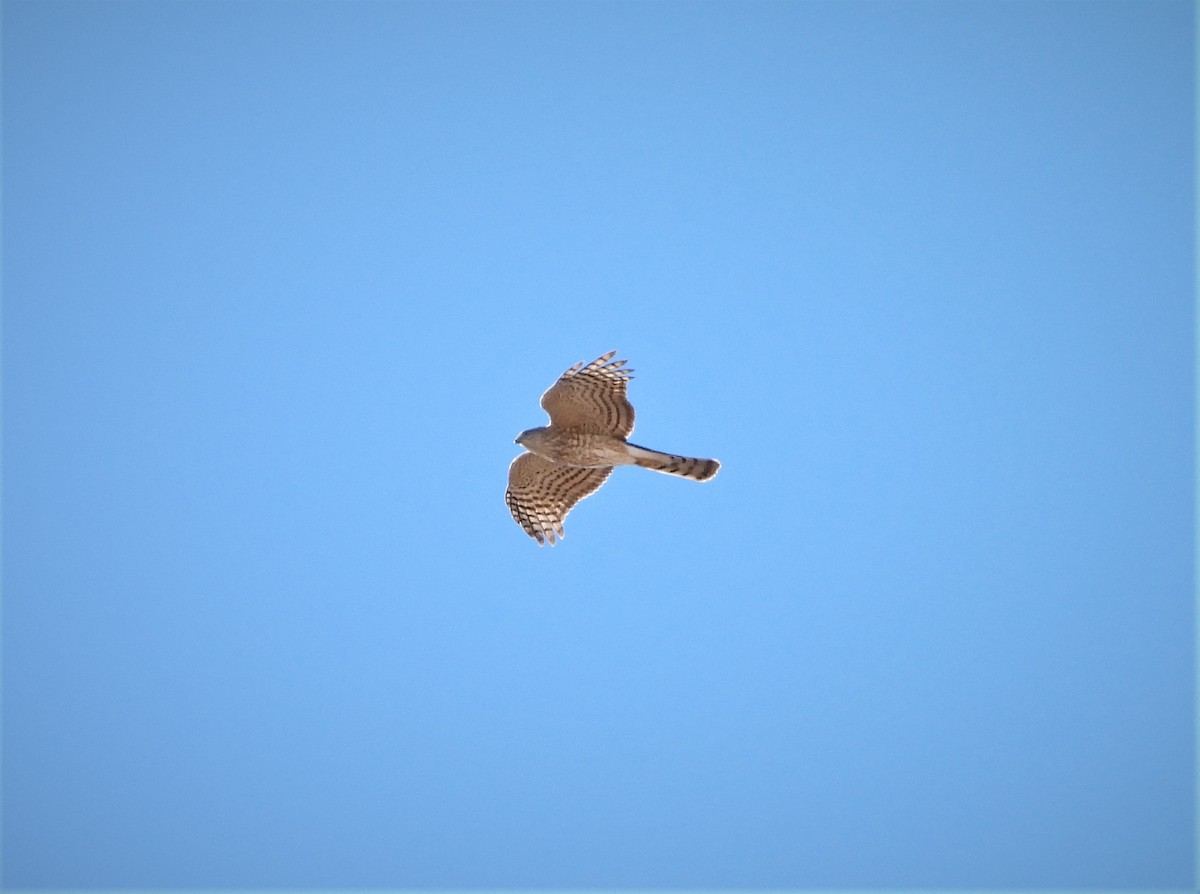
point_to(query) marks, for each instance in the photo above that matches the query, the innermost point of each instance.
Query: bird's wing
(592, 398)
(541, 493)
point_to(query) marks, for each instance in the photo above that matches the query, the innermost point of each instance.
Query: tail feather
(683, 466)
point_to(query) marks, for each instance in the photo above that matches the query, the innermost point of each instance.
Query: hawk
(569, 459)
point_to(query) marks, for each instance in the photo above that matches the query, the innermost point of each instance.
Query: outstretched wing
(592, 398)
(541, 493)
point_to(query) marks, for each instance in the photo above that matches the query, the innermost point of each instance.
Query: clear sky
(282, 282)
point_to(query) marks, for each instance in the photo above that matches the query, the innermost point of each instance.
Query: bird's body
(587, 450)
(590, 419)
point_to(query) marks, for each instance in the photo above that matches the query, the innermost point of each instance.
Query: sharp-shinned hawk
(590, 418)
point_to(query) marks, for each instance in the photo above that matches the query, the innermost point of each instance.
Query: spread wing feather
(541, 493)
(592, 398)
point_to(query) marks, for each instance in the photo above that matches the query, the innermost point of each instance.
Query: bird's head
(529, 436)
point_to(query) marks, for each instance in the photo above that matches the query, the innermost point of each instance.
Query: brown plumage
(590, 418)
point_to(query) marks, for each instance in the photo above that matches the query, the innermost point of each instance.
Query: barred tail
(683, 466)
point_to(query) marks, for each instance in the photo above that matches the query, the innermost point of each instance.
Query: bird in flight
(569, 459)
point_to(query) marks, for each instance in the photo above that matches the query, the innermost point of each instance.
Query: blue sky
(281, 283)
